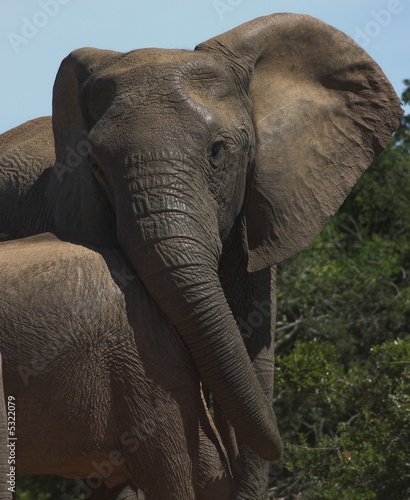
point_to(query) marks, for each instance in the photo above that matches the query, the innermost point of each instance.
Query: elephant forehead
(174, 74)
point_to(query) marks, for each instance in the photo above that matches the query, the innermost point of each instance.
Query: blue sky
(35, 35)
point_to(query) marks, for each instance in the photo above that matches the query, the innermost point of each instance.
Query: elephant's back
(61, 313)
(51, 274)
(59, 299)
(26, 152)
(36, 130)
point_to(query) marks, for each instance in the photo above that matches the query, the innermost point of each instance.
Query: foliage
(354, 299)
(352, 286)
(44, 487)
(343, 348)
(353, 440)
(403, 134)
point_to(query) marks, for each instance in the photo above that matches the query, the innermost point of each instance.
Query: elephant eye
(97, 171)
(217, 152)
(99, 174)
(103, 182)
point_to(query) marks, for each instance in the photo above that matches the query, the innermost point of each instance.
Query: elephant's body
(123, 399)
(26, 156)
(207, 168)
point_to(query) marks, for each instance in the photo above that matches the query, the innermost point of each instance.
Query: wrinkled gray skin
(208, 167)
(103, 384)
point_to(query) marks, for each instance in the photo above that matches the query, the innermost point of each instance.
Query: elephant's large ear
(73, 192)
(322, 110)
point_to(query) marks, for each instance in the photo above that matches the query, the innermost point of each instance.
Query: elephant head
(269, 124)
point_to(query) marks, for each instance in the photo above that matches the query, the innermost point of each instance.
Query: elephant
(103, 384)
(208, 168)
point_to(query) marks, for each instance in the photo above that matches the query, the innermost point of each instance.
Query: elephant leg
(123, 491)
(260, 345)
(252, 299)
(228, 435)
(160, 445)
(249, 470)
(176, 453)
(214, 476)
(192, 473)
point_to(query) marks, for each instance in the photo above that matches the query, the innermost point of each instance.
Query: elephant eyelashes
(217, 153)
(102, 181)
(97, 171)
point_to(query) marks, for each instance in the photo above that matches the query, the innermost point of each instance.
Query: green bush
(353, 298)
(44, 487)
(343, 349)
(350, 432)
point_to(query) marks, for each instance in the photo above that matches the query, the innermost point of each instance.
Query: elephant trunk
(191, 297)
(175, 252)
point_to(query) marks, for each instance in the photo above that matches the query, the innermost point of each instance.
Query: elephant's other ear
(322, 110)
(79, 207)
(69, 123)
